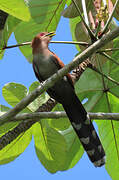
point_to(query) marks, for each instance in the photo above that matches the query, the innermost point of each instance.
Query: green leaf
(73, 23)
(50, 147)
(13, 93)
(62, 123)
(3, 109)
(45, 17)
(71, 11)
(108, 130)
(74, 148)
(16, 8)
(116, 13)
(38, 101)
(7, 126)
(15, 148)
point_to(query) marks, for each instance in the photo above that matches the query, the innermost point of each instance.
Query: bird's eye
(42, 34)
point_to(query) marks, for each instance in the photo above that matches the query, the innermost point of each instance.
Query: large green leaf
(62, 123)
(16, 8)
(50, 147)
(45, 17)
(116, 13)
(71, 11)
(108, 130)
(15, 148)
(73, 23)
(74, 148)
(13, 93)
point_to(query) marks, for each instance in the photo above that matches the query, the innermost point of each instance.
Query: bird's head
(41, 41)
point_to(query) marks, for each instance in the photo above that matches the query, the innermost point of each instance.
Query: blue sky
(15, 68)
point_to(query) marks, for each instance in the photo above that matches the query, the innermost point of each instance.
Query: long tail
(85, 131)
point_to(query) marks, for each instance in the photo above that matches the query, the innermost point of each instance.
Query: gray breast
(45, 66)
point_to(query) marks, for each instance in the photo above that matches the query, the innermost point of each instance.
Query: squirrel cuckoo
(45, 64)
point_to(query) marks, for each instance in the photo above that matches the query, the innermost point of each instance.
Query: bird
(45, 64)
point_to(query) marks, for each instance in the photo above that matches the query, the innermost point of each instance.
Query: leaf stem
(85, 12)
(109, 57)
(108, 50)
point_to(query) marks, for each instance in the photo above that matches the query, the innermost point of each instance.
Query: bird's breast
(45, 66)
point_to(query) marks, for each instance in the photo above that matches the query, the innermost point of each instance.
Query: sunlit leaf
(7, 126)
(116, 13)
(38, 101)
(16, 8)
(15, 148)
(74, 148)
(62, 123)
(71, 10)
(50, 147)
(13, 93)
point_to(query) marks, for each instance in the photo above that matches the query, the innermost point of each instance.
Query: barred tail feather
(85, 131)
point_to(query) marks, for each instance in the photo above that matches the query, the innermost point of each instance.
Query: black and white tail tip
(90, 141)
(100, 162)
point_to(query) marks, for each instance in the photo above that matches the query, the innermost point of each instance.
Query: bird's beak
(51, 34)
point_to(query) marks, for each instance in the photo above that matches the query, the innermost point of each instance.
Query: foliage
(56, 144)
(16, 8)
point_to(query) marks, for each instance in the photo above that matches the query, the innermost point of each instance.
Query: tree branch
(51, 81)
(36, 116)
(30, 119)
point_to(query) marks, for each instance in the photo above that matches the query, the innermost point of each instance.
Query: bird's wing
(60, 65)
(37, 73)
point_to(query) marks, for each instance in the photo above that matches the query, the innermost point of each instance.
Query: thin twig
(108, 50)
(54, 78)
(109, 19)
(58, 42)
